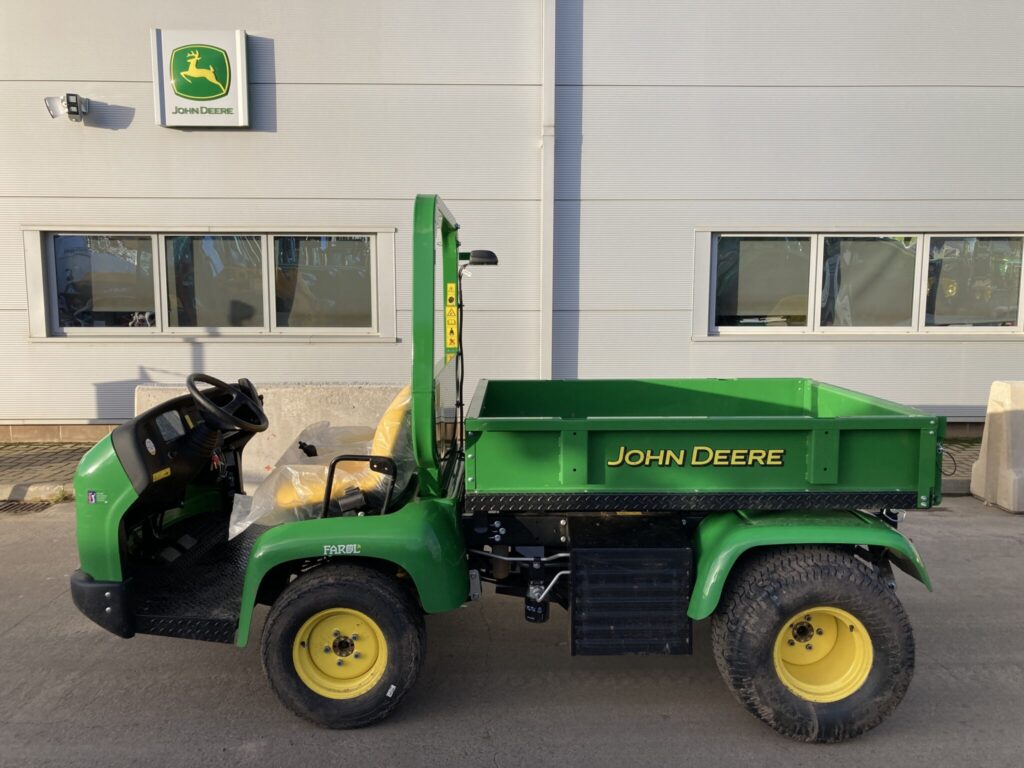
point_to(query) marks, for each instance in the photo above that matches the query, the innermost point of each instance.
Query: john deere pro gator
(769, 507)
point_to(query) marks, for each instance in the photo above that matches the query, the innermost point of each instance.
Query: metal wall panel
(799, 42)
(358, 141)
(304, 41)
(792, 143)
(356, 107)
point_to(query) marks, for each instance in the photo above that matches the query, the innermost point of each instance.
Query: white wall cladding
(797, 42)
(303, 41)
(683, 115)
(673, 116)
(356, 107)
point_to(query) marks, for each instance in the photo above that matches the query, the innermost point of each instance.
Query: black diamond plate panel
(211, 630)
(196, 598)
(683, 502)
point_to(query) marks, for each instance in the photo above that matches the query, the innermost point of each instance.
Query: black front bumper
(105, 602)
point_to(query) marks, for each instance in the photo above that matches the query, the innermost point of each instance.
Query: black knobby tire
(379, 597)
(771, 587)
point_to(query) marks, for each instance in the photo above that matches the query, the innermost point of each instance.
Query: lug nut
(356, 655)
(819, 631)
(337, 633)
(340, 663)
(807, 617)
(353, 637)
(327, 649)
(792, 642)
(809, 647)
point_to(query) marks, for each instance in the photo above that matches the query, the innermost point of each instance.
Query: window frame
(745, 330)
(211, 330)
(819, 264)
(705, 290)
(968, 330)
(49, 253)
(40, 284)
(322, 330)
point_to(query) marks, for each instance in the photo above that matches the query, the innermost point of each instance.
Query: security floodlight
(71, 104)
(76, 107)
(53, 106)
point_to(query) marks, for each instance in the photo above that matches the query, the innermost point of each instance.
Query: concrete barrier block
(291, 408)
(997, 477)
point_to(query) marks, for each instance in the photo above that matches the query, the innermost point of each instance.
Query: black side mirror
(483, 258)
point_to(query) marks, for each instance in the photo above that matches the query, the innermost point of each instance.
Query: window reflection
(973, 281)
(762, 281)
(215, 281)
(323, 281)
(104, 281)
(868, 281)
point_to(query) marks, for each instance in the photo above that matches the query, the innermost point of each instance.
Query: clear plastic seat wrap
(295, 489)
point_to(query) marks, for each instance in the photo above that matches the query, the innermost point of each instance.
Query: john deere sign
(200, 83)
(199, 78)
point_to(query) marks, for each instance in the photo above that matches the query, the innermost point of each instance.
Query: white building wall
(355, 108)
(687, 116)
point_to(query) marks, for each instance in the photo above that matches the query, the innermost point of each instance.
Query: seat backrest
(393, 437)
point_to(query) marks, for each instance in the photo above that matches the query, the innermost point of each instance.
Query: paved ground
(38, 471)
(495, 690)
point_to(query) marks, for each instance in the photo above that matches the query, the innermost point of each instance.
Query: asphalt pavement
(495, 690)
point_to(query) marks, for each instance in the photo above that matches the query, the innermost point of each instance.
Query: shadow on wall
(115, 400)
(565, 326)
(113, 117)
(262, 84)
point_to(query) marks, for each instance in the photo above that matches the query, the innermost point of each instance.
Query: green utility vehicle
(769, 506)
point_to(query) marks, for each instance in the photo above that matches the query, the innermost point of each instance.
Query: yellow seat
(391, 438)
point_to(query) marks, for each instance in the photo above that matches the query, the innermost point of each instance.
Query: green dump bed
(695, 445)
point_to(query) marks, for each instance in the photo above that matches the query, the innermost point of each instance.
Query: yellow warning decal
(165, 472)
(451, 318)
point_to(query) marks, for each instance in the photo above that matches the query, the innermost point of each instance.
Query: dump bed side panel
(876, 454)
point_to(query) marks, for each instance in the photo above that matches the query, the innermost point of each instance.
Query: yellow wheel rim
(823, 654)
(340, 653)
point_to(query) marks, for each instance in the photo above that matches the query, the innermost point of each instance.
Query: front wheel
(342, 645)
(813, 642)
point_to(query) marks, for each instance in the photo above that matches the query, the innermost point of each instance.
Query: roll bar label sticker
(451, 317)
(699, 456)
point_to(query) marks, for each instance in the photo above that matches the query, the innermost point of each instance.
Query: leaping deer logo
(204, 73)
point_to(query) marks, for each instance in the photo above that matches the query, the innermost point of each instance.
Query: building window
(762, 281)
(102, 281)
(865, 283)
(323, 281)
(250, 283)
(973, 281)
(214, 281)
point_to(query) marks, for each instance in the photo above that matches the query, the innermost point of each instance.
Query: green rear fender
(723, 537)
(422, 538)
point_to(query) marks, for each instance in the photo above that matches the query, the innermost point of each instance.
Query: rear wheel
(813, 642)
(342, 645)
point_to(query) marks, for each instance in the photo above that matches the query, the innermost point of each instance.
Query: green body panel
(422, 538)
(103, 493)
(723, 537)
(572, 437)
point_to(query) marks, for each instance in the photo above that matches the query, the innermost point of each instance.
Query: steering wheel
(228, 406)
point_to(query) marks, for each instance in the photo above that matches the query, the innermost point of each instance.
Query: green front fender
(423, 539)
(723, 537)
